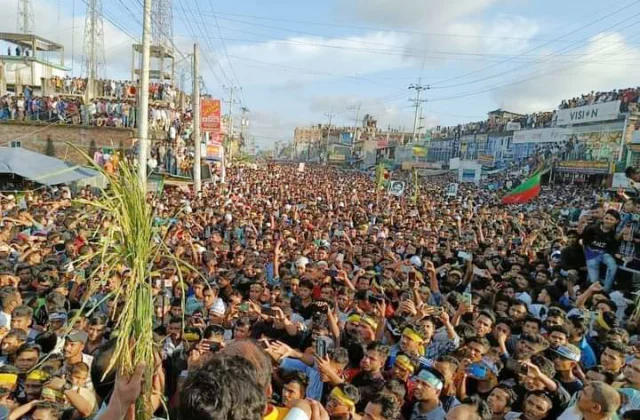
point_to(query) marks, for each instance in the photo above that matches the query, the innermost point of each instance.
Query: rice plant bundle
(129, 243)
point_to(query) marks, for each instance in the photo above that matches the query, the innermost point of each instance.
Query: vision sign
(591, 113)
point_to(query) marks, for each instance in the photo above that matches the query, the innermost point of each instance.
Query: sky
(297, 62)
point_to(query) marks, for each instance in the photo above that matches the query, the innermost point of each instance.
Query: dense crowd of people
(117, 89)
(98, 112)
(311, 295)
(627, 97)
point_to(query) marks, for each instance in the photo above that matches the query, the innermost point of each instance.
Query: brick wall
(34, 137)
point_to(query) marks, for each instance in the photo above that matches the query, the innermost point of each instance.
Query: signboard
(419, 151)
(452, 189)
(337, 158)
(583, 167)
(486, 160)
(407, 165)
(635, 137)
(469, 171)
(210, 112)
(454, 163)
(540, 135)
(345, 138)
(606, 111)
(301, 167)
(397, 188)
(513, 126)
(213, 147)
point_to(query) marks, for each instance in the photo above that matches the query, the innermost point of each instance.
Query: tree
(50, 149)
(92, 148)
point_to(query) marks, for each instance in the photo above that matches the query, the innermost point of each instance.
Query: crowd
(629, 97)
(98, 112)
(309, 295)
(108, 88)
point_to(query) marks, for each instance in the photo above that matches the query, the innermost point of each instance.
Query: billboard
(606, 111)
(583, 167)
(486, 160)
(210, 112)
(540, 135)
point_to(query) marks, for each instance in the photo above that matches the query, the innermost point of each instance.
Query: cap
(217, 308)
(568, 351)
(78, 336)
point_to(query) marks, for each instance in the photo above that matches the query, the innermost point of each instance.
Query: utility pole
(197, 141)
(329, 115)
(355, 129)
(231, 102)
(244, 125)
(416, 103)
(143, 104)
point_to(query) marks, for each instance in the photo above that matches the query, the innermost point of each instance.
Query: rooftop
(29, 40)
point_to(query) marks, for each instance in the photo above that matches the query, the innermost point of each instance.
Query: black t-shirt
(572, 387)
(596, 239)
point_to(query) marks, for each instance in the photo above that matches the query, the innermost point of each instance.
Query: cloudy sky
(299, 60)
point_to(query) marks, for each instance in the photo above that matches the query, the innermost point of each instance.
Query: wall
(34, 137)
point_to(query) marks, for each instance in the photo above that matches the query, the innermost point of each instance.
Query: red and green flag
(525, 192)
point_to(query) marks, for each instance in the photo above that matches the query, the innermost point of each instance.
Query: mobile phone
(59, 248)
(464, 256)
(212, 346)
(517, 241)
(244, 307)
(333, 273)
(375, 299)
(467, 298)
(168, 284)
(321, 347)
(268, 311)
(411, 275)
(478, 371)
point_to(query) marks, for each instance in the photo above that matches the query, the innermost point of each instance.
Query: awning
(40, 168)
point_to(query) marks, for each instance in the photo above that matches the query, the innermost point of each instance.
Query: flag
(416, 186)
(526, 191)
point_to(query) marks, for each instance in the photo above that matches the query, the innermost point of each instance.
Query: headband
(48, 392)
(339, 395)
(413, 335)
(431, 379)
(38, 375)
(369, 321)
(405, 362)
(353, 318)
(8, 378)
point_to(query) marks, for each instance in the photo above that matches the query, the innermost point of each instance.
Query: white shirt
(5, 319)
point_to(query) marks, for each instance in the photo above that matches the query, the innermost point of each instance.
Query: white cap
(228, 218)
(302, 261)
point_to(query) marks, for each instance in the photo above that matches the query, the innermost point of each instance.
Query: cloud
(420, 14)
(604, 63)
(305, 59)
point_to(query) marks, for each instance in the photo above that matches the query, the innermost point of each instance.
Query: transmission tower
(162, 24)
(93, 64)
(25, 17)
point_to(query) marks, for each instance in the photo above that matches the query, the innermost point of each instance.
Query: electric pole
(25, 17)
(244, 125)
(197, 141)
(231, 102)
(416, 103)
(329, 115)
(143, 104)
(355, 129)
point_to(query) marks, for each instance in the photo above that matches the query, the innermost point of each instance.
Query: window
(16, 143)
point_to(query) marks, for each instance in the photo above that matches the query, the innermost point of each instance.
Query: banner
(591, 113)
(452, 189)
(213, 149)
(541, 135)
(419, 151)
(583, 167)
(210, 112)
(337, 158)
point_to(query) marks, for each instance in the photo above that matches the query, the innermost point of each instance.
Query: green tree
(50, 149)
